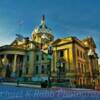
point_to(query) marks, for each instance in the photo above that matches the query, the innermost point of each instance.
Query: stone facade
(72, 59)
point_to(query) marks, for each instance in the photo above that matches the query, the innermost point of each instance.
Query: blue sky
(80, 18)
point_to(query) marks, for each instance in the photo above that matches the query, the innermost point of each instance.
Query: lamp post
(50, 51)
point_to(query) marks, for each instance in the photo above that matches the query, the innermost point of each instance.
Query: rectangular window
(37, 57)
(84, 55)
(42, 69)
(36, 69)
(63, 70)
(48, 68)
(42, 57)
(85, 68)
(26, 70)
(78, 53)
(78, 67)
(82, 68)
(81, 55)
(27, 57)
(61, 53)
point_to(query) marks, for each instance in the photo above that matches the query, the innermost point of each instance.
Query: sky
(80, 18)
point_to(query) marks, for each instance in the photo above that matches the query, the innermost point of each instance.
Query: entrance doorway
(8, 71)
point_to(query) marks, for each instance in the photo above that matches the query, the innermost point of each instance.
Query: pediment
(62, 41)
(89, 42)
(14, 43)
(56, 42)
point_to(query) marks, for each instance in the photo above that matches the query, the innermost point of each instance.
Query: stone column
(24, 65)
(55, 61)
(5, 62)
(31, 63)
(14, 66)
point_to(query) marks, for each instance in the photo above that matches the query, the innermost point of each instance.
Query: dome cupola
(42, 29)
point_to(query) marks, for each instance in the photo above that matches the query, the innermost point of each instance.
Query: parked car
(44, 84)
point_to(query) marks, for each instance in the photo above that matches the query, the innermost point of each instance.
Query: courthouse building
(72, 59)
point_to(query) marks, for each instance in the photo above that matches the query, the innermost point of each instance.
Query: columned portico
(5, 62)
(13, 63)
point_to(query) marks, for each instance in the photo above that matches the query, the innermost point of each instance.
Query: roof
(68, 40)
(9, 47)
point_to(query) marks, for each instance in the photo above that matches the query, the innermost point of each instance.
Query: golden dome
(42, 29)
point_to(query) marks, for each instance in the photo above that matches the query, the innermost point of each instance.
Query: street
(30, 93)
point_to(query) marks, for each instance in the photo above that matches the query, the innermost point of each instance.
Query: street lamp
(50, 51)
(57, 66)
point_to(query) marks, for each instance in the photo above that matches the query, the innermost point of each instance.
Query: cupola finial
(43, 21)
(43, 17)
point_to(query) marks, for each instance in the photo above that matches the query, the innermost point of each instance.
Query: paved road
(23, 93)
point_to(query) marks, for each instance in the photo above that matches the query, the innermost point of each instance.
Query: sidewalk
(20, 85)
(39, 86)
